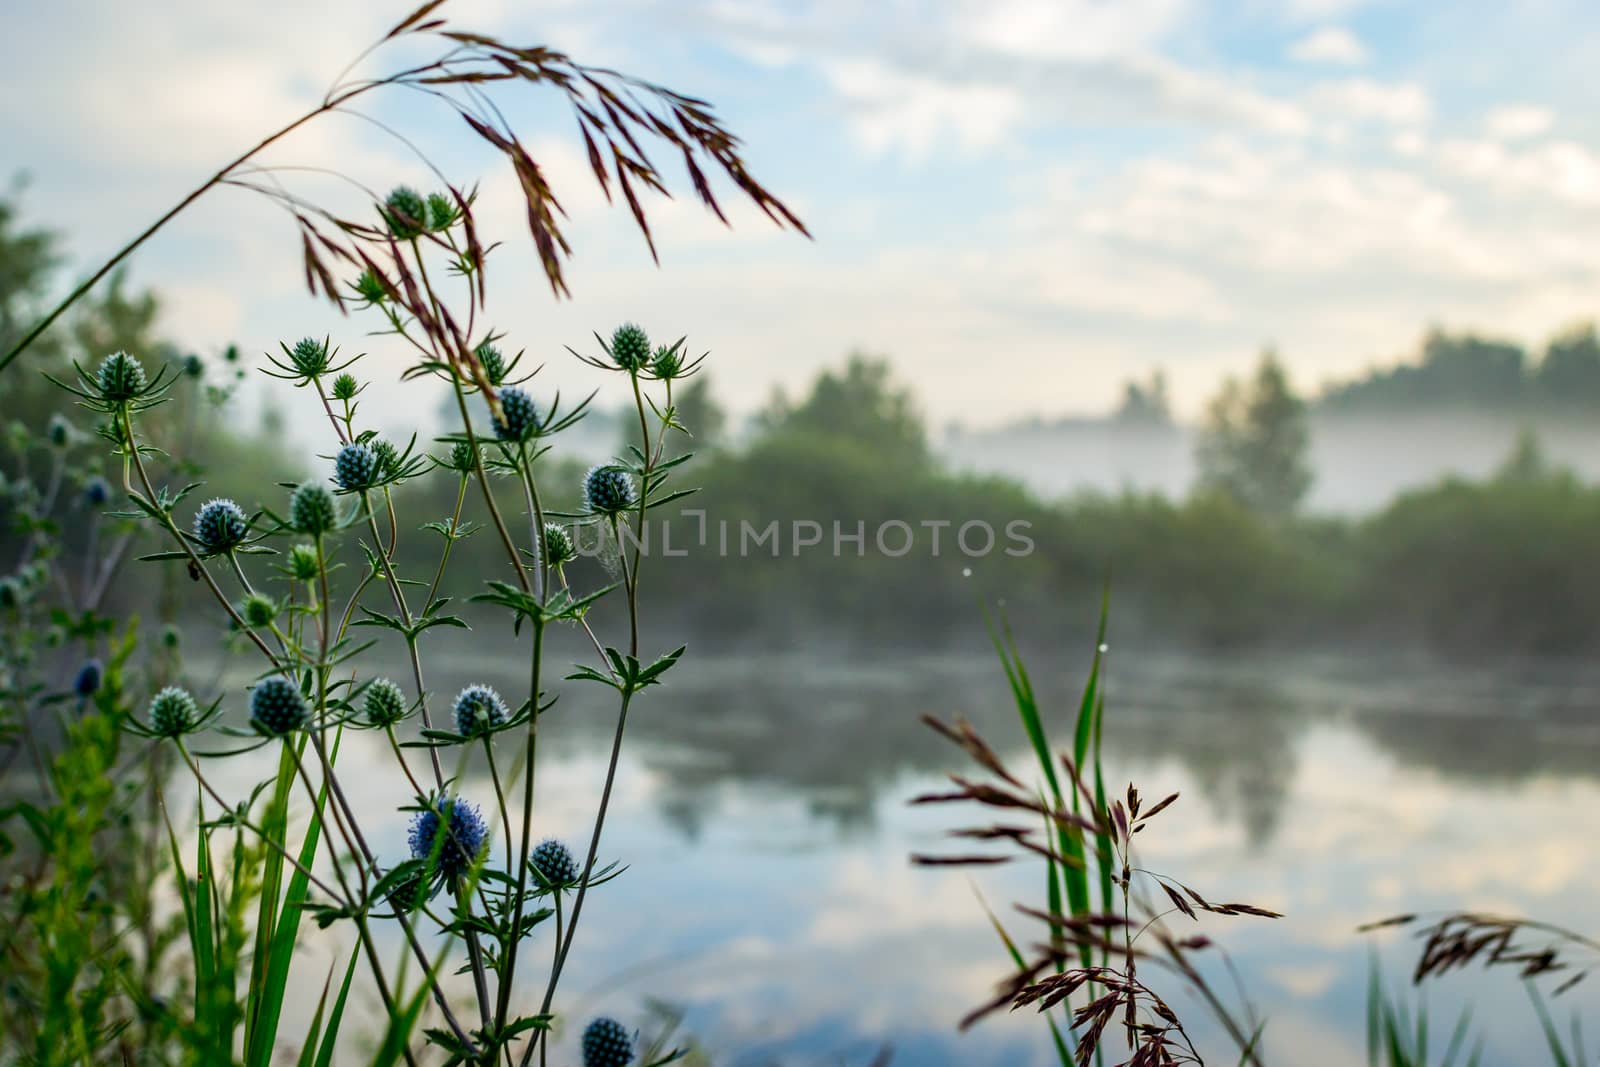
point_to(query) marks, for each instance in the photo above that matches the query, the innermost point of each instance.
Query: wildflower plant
(310, 578)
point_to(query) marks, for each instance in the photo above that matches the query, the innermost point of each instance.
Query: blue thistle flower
(277, 707)
(88, 680)
(520, 419)
(607, 1043)
(345, 387)
(219, 526)
(120, 377)
(60, 431)
(630, 347)
(193, 367)
(555, 864)
(311, 510)
(608, 489)
(385, 704)
(173, 712)
(356, 467)
(461, 845)
(406, 212)
(478, 709)
(96, 492)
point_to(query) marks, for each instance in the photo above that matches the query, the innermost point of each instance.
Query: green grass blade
(1063, 1051)
(1250, 1046)
(261, 1022)
(331, 1037)
(1558, 1055)
(268, 994)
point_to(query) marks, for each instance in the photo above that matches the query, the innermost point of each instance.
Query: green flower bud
(312, 510)
(259, 611)
(121, 377)
(385, 704)
(303, 563)
(405, 212)
(630, 347)
(173, 712)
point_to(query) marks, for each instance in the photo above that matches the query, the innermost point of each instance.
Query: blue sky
(1022, 202)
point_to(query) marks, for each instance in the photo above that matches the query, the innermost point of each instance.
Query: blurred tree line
(1464, 371)
(1503, 563)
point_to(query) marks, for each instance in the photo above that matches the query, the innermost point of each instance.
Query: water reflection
(762, 812)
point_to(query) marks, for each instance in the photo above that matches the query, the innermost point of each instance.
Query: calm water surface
(762, 811)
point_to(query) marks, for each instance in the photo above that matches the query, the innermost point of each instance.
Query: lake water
(762, 811)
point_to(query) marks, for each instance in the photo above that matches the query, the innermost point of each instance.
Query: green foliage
(862, 405)
(85, 951)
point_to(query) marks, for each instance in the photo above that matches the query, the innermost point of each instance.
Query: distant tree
(1146, 403)
(700, 413)
(1526, 462)
(861, 405)
(1569, 373)
(1253, 444)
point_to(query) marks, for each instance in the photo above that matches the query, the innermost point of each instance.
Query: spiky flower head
(461, 457)
(219, 526)
(345, 386)
(667, 363)
(356, 467)
(310, 356)
(555, 864)
(311, 510)
(558, 547)
(369, 287)
(173, 712)
(193, 366)
(385, 705)
(170, 637)
(607, 1043)
(406, 212)
(520, 419)
(608, 489)
(96, 492)
(478, 709)
(408, 894)
(494, 363)
(460, 837)
(259, 611)
(388, 456)
(443, 211)
(303, 563)
(120, 378)
(277, 707)
(630, 347)
(88, 680)
(60, 430)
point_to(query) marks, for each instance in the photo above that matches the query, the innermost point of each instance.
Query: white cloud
(1332, 45)
(1516, 122)
(1365, 100)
